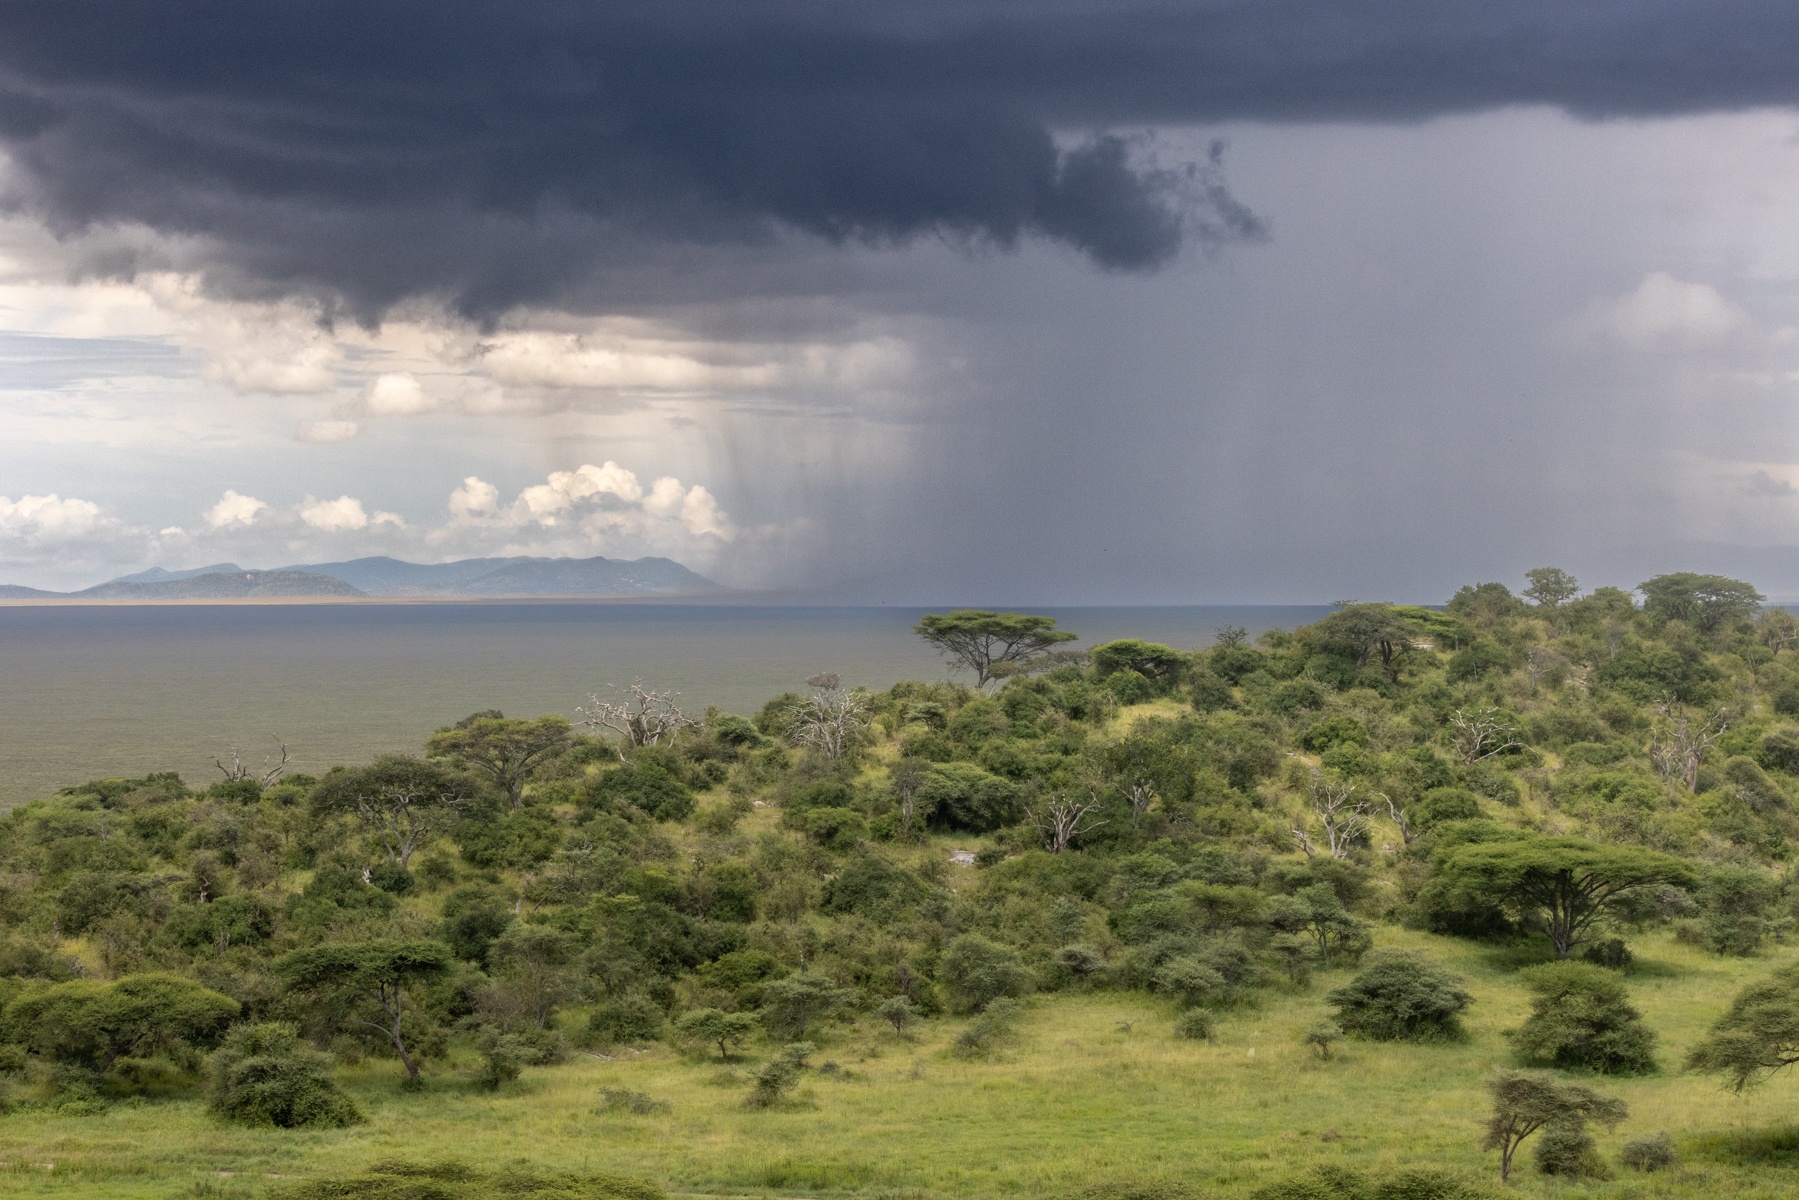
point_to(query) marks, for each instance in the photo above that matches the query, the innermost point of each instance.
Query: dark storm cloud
(502, 153)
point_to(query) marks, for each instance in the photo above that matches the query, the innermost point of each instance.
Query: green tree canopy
(90, 1024)
(1581, 1017)
(1560, 885)
(1152, 660)
(1706, 602)
(264, 1075)
(980, 639)
(1757, 1035)
(403, 800)
(1526, 1101)
(380, 974)
(503, 749)
(1550, 587)
(1364, 631)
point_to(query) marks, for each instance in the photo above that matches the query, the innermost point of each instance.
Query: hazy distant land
(381, 577)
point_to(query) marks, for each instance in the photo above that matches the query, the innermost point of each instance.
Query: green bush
(1196, 1024)
(503, 1057)
(264, 1075)
(1398, 997)
(643, 786)
(1649, 1153)
(622, 1020)
(976, 972)
(1580, 1017)
(1569, 1150)
(996, 1024)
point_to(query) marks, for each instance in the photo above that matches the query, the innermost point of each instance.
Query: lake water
(105, 690)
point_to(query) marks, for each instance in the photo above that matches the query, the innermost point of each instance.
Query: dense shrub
(975, 972)
(1649, 1153)
(962, 796)
(644, 786)
(1580, 1017)
(624, 1020)
(264, 1075)
(1398, 997)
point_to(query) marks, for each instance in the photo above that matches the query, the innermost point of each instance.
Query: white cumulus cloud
(475, 498)
(396, 395)
(48, 520)
(334, 516)
(233, 509)
(1663, 310)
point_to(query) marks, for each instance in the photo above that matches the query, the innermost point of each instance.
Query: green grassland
(700, 875)
(1095, 1087)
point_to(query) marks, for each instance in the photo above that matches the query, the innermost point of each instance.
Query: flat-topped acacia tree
(981, 639)
(378, 973)
(1561, 885)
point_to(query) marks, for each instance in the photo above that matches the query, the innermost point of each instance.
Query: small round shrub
(1323, 1038)
(1609, 952)
(1569, 1150)
(975, 972)
(263, 1075)
(1399, 997)
(1581, 1017)
(1648, 1153)
(503, 1057)
(1196, 1024)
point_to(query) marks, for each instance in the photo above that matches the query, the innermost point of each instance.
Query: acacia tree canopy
(503, 749)
(1561, 885)
(981, 639)
(378, 972)
(1706, 602)
(1757, 1035)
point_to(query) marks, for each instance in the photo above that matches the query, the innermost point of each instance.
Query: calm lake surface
(94, 691)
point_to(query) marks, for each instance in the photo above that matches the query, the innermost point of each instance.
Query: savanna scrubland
(1388, 906)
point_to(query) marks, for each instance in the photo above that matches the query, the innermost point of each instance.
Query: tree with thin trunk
(379, 975)
(907, 776)
(980, 639)
(1526, 1101)
(1062, 819)
(404, 800)
(505, 750)
(1681, 742)
(1342, 816)
(1550, 587)
(1559, 885)
(1757, 1036)
(641, 717)
(831, 718)
(1480, 734)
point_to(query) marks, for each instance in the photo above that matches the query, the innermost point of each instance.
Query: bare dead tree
(1141, 794)
(1777, 629)
(1397, 815)
(1061, 820)
(640, 718)
(266, 778)
(1680, 745)
(1480, 734)
(1343, 817)
(831, 718)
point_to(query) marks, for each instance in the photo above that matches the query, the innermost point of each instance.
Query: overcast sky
(987, 302)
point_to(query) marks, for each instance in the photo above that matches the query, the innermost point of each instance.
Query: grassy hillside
(1081, 860)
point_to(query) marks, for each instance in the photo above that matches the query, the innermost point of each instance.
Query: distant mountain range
(384, 576)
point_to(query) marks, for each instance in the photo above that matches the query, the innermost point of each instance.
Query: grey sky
(1463, 333)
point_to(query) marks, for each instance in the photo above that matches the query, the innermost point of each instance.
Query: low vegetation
(1285, 919)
